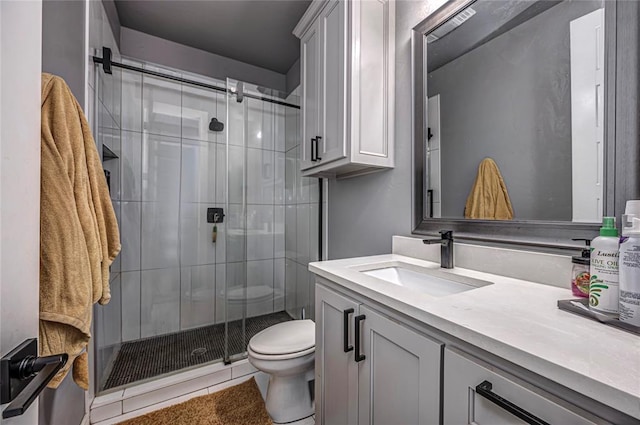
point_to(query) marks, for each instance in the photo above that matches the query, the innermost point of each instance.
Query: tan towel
(79, 236)
(489, 199)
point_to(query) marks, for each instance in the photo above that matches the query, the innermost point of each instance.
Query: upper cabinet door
(333, 29)
(310, 64)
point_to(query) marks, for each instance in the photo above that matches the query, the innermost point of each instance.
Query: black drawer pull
(359, 357)
(345, 329)
(484, 389)
(318, 138)
(313, 145)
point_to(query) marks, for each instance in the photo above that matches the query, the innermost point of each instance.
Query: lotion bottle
(630, 274)
(603, 287)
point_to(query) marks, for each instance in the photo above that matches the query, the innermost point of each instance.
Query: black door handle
(23, 376)
(313, 145)
(484, 389)
(318, 138)
(359, 357)
(345, 329)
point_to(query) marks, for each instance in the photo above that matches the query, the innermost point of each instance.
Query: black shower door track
(107, 64)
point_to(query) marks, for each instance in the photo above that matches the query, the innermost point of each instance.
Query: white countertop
(518, 321)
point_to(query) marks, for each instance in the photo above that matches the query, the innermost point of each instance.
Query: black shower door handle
(359, 357)
(485, 390)
(345, 329)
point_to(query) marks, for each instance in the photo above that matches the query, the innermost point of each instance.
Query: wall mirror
(520, 110)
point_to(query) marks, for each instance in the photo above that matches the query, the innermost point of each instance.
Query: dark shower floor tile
(143, 359)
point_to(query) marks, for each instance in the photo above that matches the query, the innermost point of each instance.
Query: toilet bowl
(286, 352)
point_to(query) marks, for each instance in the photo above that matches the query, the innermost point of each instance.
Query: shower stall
(217, 224)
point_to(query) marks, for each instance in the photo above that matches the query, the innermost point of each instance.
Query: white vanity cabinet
(347, 77)
(477, 393)
(371, 369)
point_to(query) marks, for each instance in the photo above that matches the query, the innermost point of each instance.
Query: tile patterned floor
(150, 357)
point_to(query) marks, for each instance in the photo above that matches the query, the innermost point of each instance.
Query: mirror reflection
(515, 112)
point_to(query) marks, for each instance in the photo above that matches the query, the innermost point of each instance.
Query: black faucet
(446, 248)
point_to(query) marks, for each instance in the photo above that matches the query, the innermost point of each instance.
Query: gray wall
(365, 212)
(63, 42)
(62, 54)
(139, 45)
(293, 77)
(510, 99)
(114, 20)
(64, 405)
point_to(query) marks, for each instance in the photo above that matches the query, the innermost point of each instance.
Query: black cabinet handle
(484, 389)
(359, 357)
(318, 138)
(430, 196)
(313, 145)
(345, 329)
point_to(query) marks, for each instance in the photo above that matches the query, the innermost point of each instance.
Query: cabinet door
(399, 379)
(310, 72)
(333, 24)
(336, 370)
(463, 404)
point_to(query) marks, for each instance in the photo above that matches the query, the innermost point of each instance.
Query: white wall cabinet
(347, 66)
(371, 369)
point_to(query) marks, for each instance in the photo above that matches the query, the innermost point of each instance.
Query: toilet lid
(284, 338)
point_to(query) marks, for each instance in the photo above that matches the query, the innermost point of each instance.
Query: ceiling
(255, 32)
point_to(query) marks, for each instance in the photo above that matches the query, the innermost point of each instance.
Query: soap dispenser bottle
(580, 273)
(630, 274)
(603, 287)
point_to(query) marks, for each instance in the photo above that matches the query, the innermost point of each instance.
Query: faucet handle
(446, 234)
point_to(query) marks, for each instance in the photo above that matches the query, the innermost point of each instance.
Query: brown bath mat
(238, 405)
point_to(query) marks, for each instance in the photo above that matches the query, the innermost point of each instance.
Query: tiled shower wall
(301, 221)
(172, 169)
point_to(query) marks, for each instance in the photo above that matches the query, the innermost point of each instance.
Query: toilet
(286, 352)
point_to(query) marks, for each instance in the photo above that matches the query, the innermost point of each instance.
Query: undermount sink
(434, 282)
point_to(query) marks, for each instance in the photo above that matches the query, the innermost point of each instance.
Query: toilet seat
(285, 340)
(276, 357)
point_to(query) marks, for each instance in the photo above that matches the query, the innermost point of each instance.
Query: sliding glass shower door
(255, 240)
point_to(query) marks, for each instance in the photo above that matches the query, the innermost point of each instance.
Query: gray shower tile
(280, 177)
(130, 222)
(198, 181)
(160, 168)
(160, 241)
(279, 128)
(198, 296)
(260, 287)
(196, 243)
(260, 176)
(302, 234)
(131, 100)
(279, 231)
(160, 302)
(279, 284)
(131, 166)
(290, 232)
(199, 106)
(260, 232)
(161, 106)
(130, 306)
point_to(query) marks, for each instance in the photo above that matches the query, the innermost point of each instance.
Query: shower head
(216, 125)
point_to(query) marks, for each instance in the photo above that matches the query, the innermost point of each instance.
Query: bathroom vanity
(396, 343)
